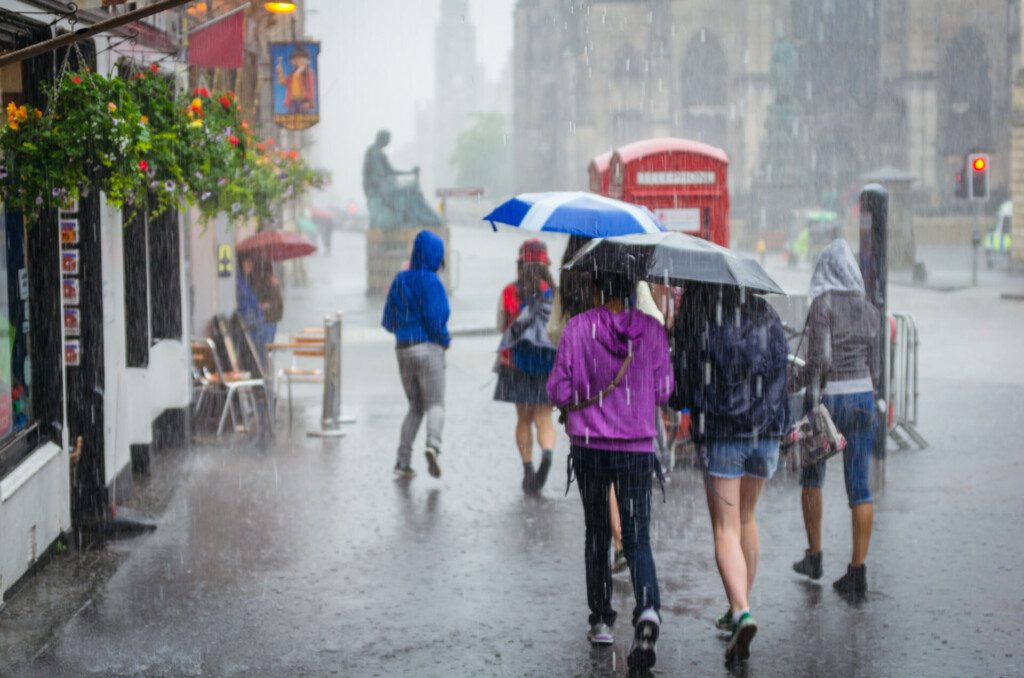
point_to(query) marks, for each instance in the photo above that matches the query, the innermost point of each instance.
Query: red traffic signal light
(977, 182)
(979, 164)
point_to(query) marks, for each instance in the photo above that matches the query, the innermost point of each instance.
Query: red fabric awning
(221, 45)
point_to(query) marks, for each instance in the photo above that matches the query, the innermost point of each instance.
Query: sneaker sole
(600, 641)
(741, 648)
(432, 466)
(642, 656)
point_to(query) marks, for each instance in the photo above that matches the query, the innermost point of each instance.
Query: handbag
(816, 443)
(563, 412)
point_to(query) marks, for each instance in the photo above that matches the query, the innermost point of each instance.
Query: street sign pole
(975, 243)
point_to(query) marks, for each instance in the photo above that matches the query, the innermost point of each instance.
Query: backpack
(742, 386)
(531, 350)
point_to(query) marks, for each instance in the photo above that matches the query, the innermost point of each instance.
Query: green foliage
(483, 154)
(133, 139)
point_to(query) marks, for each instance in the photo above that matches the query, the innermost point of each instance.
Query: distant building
(909, 83)
(458, 85)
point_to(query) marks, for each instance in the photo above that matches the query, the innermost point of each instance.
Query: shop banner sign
(296, 84)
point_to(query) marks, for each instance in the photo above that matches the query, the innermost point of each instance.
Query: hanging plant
(145, 148)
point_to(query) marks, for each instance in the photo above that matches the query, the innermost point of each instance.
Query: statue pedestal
(387, 253)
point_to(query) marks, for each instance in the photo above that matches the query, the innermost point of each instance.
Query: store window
(15, 363)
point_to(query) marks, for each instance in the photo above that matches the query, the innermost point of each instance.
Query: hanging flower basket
(145, 148)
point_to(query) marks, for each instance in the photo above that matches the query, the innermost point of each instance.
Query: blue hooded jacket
(417, 305)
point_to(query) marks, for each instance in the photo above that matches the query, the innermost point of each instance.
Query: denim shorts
(855, 417)
(738, 457)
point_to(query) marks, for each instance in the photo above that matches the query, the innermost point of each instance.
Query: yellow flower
(13, 125)
(111, 106)
(22, 114)
(196, 123)
(144, 119)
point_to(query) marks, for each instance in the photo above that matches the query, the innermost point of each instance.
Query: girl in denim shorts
(843, 374)
(730, 363)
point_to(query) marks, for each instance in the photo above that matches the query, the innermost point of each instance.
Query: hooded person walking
(611, 370)
(416, 312)
(842, 372)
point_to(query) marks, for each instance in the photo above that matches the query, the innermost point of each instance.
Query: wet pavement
(309, 559)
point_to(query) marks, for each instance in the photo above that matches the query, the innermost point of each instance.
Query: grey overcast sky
(377, 64)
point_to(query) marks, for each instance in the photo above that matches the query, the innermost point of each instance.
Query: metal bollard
(331, 418)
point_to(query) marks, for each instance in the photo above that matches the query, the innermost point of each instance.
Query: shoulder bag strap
(563, 412)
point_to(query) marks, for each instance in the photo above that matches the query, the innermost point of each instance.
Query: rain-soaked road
(312, 560)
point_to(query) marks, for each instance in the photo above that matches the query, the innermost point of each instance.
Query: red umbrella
(277, 245)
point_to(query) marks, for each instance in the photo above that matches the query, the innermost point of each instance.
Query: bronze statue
(391, 203)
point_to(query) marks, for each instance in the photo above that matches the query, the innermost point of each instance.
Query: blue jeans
(630, 472)
(855, 416)
(738, 457)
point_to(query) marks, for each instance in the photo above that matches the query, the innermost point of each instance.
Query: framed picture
(70, 291)
(69, 262)
(69, 231)
(72, 322)
(72, 353)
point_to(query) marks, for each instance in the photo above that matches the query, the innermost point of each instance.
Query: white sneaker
(642, 654)
(600, 634)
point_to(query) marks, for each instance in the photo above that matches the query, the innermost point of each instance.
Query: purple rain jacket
(590, 353)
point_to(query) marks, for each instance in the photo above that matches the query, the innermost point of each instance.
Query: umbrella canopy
(671, 259)
(305, 225)
(576, 213)
(277, 245)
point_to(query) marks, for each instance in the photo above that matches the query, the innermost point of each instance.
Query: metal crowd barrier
(331, 418)
(903, 391)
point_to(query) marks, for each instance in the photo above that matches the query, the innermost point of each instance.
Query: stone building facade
(912, 84)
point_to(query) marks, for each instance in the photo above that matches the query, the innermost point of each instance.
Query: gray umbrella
(671, 259)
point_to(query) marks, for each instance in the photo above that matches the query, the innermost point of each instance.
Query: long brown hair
(531, 276)
(576, 291)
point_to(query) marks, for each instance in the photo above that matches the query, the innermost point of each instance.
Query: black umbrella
(672, 259)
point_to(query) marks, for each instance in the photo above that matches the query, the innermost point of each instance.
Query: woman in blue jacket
(416, 312)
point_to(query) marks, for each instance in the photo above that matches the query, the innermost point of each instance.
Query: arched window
(705, 90)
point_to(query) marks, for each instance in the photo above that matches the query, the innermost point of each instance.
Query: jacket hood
(617, 331)
(836, 270)
(427, 252)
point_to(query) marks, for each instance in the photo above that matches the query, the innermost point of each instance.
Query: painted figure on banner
(296, 82)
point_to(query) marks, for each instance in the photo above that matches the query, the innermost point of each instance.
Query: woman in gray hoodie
(843, 374)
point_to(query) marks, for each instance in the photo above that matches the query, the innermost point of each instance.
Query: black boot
(542, 470)
(810, 565)
(529, 478)
(854, 582)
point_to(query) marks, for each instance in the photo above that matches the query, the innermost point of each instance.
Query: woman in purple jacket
(611, 371)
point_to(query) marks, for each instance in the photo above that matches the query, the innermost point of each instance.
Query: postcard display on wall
(69, 271)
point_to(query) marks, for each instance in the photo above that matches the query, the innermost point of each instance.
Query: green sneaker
(724, 623)
(743, 632)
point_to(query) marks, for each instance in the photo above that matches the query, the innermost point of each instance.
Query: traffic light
(976, 176)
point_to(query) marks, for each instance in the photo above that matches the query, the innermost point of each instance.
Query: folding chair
(233, 381)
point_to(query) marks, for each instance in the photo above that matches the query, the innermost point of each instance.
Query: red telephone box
(684, 182)
(598, 171)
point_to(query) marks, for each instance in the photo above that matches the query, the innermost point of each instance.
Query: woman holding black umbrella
(730, 354)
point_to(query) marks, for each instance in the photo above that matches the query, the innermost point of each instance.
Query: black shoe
(529, 479)
(810, 565)
(542, 471)
(433, 468)
(854, 582)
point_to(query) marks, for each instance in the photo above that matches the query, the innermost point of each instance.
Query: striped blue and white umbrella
(576, 213)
